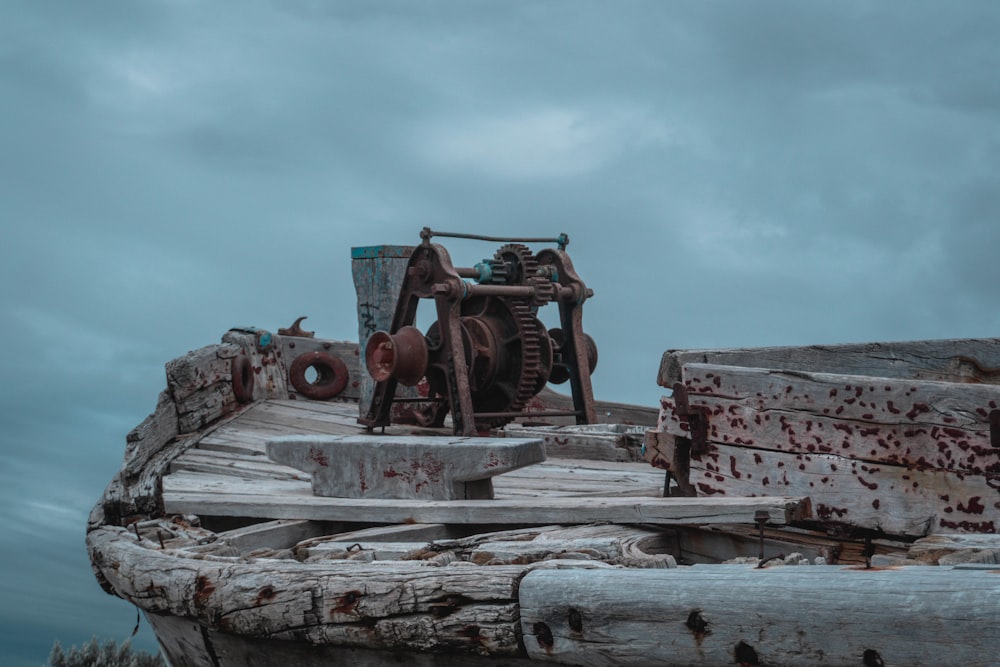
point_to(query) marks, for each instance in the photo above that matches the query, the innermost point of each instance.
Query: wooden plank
(280, 534)
(924, 424)
(230, 497)
(951, 549)
(602, 442)
(716, 544)
(196, 460)
(610, 544)
(411, 531)
(786, 616)
(962, 360)
(309, 412)
(893, 499)
(608, 412)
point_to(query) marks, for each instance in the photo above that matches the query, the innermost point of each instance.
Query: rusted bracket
(696, 418)
(296, 330)
(995, 429)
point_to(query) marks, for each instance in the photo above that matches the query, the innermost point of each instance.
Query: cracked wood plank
(780, 617)
(890, 498)
(389, 606)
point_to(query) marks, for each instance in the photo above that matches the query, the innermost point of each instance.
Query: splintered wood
(901, 455)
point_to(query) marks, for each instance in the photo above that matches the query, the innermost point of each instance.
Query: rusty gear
(519, 262)
(508, 354)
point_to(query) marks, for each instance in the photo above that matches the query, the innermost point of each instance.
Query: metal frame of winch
(488, 354)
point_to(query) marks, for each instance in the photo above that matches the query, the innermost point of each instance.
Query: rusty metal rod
(516, 291)
(562, 240)
(540, 413)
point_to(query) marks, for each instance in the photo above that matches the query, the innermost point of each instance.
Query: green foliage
(108, 654)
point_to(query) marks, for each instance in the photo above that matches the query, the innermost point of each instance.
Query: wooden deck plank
(223, 495)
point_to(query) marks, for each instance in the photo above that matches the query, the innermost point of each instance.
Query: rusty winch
(488, 354)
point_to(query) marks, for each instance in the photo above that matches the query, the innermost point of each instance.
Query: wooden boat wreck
(283, 506)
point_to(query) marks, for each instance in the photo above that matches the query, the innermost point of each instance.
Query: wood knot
(871, 658)
(696, 622)
(543, 633)
(745, 655)
(575, 620)
(347, 602)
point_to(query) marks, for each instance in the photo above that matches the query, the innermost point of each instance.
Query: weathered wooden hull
(575, 561)
(229, 611)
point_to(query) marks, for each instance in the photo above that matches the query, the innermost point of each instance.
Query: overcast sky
(729, 173)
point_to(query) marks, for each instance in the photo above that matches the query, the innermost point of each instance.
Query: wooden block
(419, 467)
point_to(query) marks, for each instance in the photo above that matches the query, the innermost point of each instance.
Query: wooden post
(378, 274)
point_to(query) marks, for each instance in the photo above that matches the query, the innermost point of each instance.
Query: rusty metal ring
(331, 375)
(242, 372)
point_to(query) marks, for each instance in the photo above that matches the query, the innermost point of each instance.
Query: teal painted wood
(378, 273)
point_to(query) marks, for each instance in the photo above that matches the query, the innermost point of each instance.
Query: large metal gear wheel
(508, 354)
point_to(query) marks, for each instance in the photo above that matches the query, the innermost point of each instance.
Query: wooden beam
(601, 442)
(893, 499)
(905, 457)
(919, 424)
(962, 360)
(784, 616)
(294, 500)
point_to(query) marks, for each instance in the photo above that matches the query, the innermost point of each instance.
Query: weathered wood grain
(952, 549)
(786, 616)
(717, 544)
(395, 606)
(372, 466)
(601, 442)
(960, 360)
(893, 499)
(608, 412)
(270, 374)
(280, 534)
(202, 494)
(616, 545)
(188, 644)
(906, 457)
(937, 425)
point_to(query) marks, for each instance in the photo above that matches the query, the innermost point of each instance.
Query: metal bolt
(761, 517)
